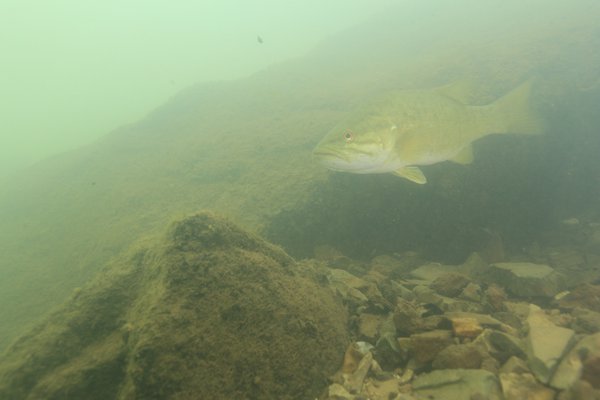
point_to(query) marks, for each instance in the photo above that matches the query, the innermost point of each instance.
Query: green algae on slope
(209, 311)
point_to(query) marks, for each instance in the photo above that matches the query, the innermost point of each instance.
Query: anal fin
(465, 156)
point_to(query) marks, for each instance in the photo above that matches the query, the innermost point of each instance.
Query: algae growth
(207, 311)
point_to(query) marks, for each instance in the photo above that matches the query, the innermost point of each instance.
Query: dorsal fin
(462, 91)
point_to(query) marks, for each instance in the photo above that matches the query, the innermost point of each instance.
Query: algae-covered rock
(207, 311)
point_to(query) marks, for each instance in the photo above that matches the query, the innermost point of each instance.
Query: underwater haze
(72, 72)
(174, 176)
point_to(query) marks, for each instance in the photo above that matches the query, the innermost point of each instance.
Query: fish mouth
(327, 153)
(333, 160)
(329, 159)
(323, 153)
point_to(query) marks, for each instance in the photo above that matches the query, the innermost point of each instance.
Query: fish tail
(516, 113)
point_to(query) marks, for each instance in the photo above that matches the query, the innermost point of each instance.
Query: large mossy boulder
(207, 311)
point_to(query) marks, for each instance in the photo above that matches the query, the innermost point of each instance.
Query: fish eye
(348, 136)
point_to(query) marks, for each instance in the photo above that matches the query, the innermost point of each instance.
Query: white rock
(546, 344)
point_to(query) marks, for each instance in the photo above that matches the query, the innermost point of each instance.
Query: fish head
(364, 148)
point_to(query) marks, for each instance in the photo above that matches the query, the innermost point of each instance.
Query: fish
(401, 130)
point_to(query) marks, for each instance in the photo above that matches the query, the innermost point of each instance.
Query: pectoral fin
(412, 174)
(465, 156)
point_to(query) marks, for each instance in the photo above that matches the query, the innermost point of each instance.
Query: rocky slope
(206, 311)
(525, 326)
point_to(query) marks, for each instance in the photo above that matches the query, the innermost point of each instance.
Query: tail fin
(516, 113)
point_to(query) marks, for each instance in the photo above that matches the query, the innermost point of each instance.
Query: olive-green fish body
(402, 130)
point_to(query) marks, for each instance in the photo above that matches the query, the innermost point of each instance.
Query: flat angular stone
(446, 384)
(546, 343)
(526, 279)
(432, 271)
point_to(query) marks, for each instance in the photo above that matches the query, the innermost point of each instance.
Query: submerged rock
(447, 384)
(427, 345)
(524, 386)
(368, 326)
(546, 343)
(475, 343)
(465, 356)
(431, 271)
(585, 320)
(526, 279)
(584, 295)
(583, 361)
(208, 311)
(354, 381)
(450, 284)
